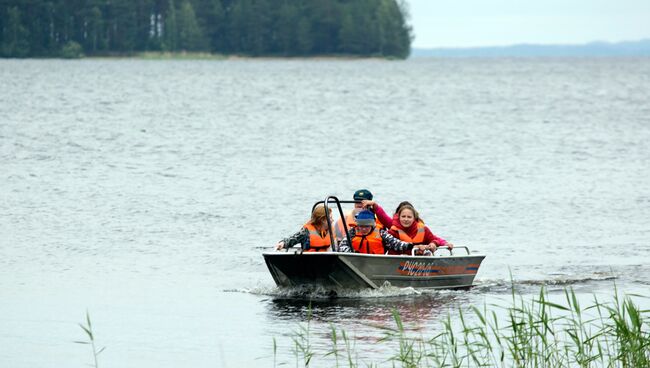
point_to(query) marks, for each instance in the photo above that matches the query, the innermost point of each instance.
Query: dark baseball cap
(362, 194)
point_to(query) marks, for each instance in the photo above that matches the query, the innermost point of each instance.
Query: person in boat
(363, 198)
(407, 226)
(367, 238)
(398, 210)
(314, 236)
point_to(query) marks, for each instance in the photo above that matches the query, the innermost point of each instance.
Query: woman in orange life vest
(407, 226)
(367, 238)
(313, 236)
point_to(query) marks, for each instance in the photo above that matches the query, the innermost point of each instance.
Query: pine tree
(396, 33)
(123, 25)
(285, 27)
(190, 36)
(211, 18)
(94, 23)
(16, 36)
(171, 29)
(253, 27)
(304, 40)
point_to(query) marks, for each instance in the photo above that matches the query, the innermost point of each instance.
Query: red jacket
(411, 231)
(382, 216)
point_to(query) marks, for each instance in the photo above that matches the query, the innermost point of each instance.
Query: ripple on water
(169, 174)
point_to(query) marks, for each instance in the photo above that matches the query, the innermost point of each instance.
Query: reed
(348, 348)
(301, 341)
(88, 329)
(531, 332)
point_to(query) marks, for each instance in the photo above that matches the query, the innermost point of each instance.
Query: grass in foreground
(534, 333)
(88, 329)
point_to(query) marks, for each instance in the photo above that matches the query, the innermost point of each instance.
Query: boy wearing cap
(367, 238)
(364, 201)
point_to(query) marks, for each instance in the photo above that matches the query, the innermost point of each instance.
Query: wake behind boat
(296, 268)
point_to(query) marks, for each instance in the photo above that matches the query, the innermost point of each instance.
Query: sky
(468, 23)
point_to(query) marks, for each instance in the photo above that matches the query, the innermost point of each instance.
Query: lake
(144, 192)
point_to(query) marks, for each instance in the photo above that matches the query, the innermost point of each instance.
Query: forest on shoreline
(73, 28)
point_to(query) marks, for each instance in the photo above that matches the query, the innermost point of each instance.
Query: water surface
(142, 192)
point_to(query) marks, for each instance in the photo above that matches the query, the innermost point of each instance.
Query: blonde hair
(318, 215)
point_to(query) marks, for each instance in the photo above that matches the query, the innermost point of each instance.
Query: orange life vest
(317, 243)
(417, 239)
(370, 244)
(351, 222)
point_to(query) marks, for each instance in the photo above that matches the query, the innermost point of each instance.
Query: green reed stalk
(349, 348)
(301, 340)
(407, 352)
(536, 333)
(631, 332)
(88, 329)
(334, 340)
(275, 352)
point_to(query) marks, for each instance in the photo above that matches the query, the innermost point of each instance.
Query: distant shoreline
(160, 55)
(594, 49)
(515, 51)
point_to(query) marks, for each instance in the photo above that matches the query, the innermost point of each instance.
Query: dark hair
(402, 204)
(412, 209)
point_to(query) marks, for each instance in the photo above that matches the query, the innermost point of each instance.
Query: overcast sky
(464, 23)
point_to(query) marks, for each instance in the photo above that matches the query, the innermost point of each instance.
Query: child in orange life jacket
(366, 238)
(407, 226)
(313, 236)
(363, 198)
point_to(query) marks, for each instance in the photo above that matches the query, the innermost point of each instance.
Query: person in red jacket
(407, 226)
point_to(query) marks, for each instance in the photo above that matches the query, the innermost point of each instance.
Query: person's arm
(344, 246)
(301, 237)
(382, 216)
(393, 233)
(429, 238)
(391, 242)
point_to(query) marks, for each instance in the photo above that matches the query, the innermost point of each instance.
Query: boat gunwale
(349, 254)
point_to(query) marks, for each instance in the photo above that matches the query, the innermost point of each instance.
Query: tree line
(46, 28)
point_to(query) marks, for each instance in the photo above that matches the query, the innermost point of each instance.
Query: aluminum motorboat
(443, 270)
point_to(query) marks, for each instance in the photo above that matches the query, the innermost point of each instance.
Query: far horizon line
(646, 39)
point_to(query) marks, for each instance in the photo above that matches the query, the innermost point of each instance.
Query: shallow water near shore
(142, 191)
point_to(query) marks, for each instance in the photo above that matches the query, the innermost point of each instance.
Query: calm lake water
(145, 192)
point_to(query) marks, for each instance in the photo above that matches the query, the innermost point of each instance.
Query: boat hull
(360, 271)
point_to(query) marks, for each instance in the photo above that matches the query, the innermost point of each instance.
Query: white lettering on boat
(417, 268)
